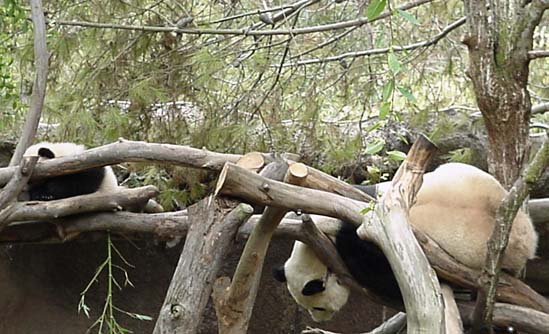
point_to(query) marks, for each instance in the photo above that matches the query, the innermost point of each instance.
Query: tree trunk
(500, 36)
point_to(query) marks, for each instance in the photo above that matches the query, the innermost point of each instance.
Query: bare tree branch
(407, 6)
(389, 227)
(433, 40)
(536, 54)
(252, 13)
(540, 108)
(41, 57)
(243, 32)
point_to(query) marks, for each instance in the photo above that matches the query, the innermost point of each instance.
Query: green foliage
(13, 24)
(110, 83)
(396, 155)
(407, 16)
(342, 153)
(464, 155)
(407, 93)
(375, 8)
(375, 147)
(394, 63)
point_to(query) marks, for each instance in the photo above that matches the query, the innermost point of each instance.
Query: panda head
(46, 150)
(311, 283)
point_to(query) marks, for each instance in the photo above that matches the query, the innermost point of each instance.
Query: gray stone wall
(41, 287)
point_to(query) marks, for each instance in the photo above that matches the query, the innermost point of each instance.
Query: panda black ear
(313, 287)
(279, 274)
(45, 152)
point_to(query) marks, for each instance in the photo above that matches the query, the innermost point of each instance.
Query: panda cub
(92, 180)
(455, 206)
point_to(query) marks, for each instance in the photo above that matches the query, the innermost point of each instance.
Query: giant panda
(99, 179)
(455, 206)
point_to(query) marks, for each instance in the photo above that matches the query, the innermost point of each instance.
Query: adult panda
(455, 206)
(99, 179)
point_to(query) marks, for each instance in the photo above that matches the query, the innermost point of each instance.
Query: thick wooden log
(319, 180)
(132, 151)
(209, 239)
(234, 303)
(389, 228)
(238, 182)
(123, 198)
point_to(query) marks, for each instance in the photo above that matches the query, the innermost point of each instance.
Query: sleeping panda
(92, 180)
(455, 206)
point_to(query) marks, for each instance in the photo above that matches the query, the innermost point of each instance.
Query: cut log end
(253, 161)
(421, 152)
(297, 173)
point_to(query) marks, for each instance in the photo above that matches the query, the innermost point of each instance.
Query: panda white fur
(92, 180)
(455, 206)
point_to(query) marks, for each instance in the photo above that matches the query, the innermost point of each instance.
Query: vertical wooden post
(211, 234)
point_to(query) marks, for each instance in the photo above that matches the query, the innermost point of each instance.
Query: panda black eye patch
(45, 152)
(313, 287)
(322, 309)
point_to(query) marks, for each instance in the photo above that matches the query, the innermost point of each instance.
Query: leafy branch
(106, 322)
